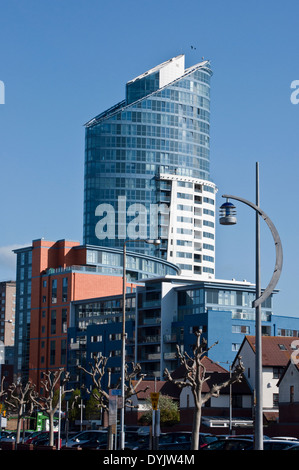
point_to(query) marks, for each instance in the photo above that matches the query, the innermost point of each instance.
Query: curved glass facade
(161, 128)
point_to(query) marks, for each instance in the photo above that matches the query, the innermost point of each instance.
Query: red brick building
(60, 275)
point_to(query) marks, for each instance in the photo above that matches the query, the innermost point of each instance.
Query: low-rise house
(233, 407)
(276, 353)
(289, 394)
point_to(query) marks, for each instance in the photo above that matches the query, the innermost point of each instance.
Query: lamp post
(227, 212)
(123, 338)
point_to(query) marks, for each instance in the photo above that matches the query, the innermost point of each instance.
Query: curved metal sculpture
(278, 248)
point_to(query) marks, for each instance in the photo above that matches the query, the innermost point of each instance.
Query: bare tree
(97, 370)
(49, 403)
(194, 377)
(19, 400)
(133, 378)
(3, 392)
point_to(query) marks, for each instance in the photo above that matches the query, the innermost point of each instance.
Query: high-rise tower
(147, 169)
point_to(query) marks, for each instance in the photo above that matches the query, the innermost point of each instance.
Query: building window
(277, 372)
(64, 289)
(96, 339)
(63, 351)
(237, 401)
(241, 329)
(53, 322)
(292, 394)
(115, 337)
(54, 291)
(285, 332)
(275, 400)
(52, 353)
(212, 296)
(64, 320)
(115, 353)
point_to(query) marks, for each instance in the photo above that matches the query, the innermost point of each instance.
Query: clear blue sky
(64, 61)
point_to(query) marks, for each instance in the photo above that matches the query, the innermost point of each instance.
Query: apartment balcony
(153, 357)
(197, 235)
(170, 338)
(150, 321)
(150, 339)
(170, 356)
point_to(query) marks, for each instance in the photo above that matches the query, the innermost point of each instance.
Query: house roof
(216, 378)
(171, 389)
(276, 350)
(217, 375)
(146, 387)
(290, 363)
(210, 366)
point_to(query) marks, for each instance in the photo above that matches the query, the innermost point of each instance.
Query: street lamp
(123, 356)
(227, 212)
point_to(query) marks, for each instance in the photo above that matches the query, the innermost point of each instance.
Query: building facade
(277, 352)
(7, 312)
(51, 275)
(147, 169)
(165, 313)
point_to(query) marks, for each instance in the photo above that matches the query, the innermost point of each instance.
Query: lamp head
(153, 242)
(228, 214)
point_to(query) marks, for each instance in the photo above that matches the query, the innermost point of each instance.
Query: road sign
(115, 392)
(155, 399)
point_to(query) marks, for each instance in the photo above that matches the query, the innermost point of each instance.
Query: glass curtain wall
(129, 146)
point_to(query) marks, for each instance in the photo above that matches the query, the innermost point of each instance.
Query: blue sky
(64, 61)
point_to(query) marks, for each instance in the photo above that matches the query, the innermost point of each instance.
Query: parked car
(95, 442)
(175, 446)
(85, 436)
(31, 437)
(135, 440)
(229, 444)
(206, 438)
(292, 447)
(175, 437)
(11, 437)
(43, 438)
(285, 438)
(4, 434)
(277, 444)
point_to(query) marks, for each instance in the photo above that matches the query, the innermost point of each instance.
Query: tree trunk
(196, 427)
(18, 436)
(51, 429)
